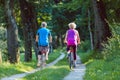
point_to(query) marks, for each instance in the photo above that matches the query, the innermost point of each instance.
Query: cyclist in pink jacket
(72, 38)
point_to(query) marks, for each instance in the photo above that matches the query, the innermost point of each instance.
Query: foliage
(72, 11)
(43, 10)
(113, 10)
(3, 45)
(107, 68)
(85, 46)
(112, 48)
(2, 16)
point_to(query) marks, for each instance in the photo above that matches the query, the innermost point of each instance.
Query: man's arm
(50, 39)
(36, 41)
(36, 38)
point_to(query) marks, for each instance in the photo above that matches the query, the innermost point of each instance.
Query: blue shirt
(43, 36)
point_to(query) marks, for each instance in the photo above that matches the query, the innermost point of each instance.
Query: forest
(98, 23)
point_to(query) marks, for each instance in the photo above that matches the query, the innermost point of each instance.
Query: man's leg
(47, 52)
(46, 57)
(39, 60)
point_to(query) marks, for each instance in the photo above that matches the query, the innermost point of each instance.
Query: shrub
(85, 46)
(3, 43)
(111, 49)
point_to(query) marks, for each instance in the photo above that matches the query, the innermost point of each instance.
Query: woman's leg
(74, 51)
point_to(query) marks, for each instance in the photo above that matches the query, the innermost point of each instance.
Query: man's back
(43, 35)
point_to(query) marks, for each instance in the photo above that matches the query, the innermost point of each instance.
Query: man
(43, 37)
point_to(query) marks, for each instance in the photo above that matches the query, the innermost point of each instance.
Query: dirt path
(18, 76)
(78, 72)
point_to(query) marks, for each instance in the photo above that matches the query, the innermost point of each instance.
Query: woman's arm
(65, 40)
(78, 38)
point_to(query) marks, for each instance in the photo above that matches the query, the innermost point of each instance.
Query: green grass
(85, 56)
(56, 72)
(103, 70)
(7, 69)
(100, 69)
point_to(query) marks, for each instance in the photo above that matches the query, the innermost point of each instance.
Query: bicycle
(71, 58)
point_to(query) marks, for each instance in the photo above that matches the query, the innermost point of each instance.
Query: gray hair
(43, 24)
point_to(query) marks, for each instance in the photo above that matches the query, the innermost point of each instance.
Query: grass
(7, 69)
(85, 56)
(103, 70)
(56, 72)
(99, 68)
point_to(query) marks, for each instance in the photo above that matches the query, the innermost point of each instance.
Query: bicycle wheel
(70, 60)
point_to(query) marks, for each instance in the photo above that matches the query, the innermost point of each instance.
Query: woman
(72, 39)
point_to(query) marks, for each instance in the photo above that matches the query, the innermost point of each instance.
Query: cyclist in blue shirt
(43, 37)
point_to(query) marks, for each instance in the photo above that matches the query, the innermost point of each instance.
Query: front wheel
(70, 60)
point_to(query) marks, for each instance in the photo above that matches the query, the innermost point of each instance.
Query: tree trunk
(12, 33)
(90, 31)
(30, 26)
(102, 31)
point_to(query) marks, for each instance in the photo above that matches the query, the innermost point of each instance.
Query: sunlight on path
(18, 76)
(77, 73)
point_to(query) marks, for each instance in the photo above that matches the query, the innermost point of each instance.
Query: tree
(12, 32)
(30, 26)
(90, 30)
(102, 31)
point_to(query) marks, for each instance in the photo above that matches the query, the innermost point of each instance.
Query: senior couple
(44, 37)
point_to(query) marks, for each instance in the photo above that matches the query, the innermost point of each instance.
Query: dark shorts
(43, 49)
(74, 50)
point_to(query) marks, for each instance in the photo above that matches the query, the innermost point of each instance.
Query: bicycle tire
(71, 60)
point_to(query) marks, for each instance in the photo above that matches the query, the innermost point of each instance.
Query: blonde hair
(72, 25)
(43, 24)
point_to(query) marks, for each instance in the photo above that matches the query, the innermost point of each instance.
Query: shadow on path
(77, 73)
